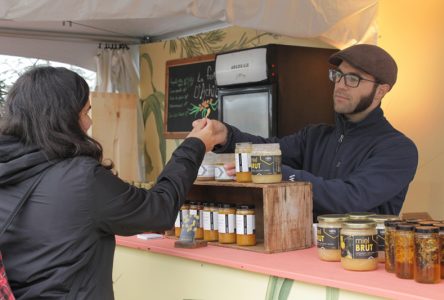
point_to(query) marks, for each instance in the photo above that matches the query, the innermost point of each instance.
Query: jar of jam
(380, 229)
(195, 210)
(183, 212)
(243, 162)
(359, 245)
(427, 268)
(441, 241)
(390, 229)
(227, 223)
(404, 250)
(359, 215)
(266, 163)
(210, 225)
(245, 225)
(328, 231)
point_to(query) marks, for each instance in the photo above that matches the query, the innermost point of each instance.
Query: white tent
(70, 31)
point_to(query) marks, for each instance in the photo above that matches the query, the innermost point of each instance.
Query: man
(360, 164)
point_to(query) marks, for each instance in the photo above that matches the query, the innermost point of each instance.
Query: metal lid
(359, 224)
(405, 227)
(245, 206)
(359, 215)
(382, 218)
(440, 226)
(426, 229)
(427, 223)
(392, 223)
(227, 205)
(333, 218)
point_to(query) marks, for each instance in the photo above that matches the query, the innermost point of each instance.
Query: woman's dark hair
(43, 109)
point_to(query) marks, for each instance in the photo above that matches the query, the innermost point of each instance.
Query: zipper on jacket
(341, 138)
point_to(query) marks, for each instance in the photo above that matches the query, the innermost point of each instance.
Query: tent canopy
(69, 31)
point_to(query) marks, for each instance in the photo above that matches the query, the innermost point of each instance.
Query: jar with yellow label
(183, 212)
(358, 245)
(380, 228)
(243, 162)
(245, 225)
(227, 223)
(404, 250)
(427, 268)
(328, 231)
(389, 247)
(359, 215)
(195, 209)
(266, 163)
(210, 225)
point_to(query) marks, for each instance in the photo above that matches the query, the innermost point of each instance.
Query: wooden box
(284, 214)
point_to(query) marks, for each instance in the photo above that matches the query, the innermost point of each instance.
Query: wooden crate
(284, 214)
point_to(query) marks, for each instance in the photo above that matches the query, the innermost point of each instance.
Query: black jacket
(364, 166)
(63, 238)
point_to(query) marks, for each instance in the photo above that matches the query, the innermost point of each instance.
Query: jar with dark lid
(328, 231)
(245, 225)
(441, 242)
(358, 245)
(404, 250)
(227, 223)
(427, 267)
(380, 229)
(243, 161)
(359, 215)
(210, 217)
(183, 213)
(390, 229)
(196, 209)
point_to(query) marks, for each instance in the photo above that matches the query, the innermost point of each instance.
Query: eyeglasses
(351, 80)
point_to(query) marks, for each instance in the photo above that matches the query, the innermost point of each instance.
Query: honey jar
(206, 169)
(227, 223)
(404, 250)
(266, 163)
(243, 162)
(380, 229)
(328, 231)
(389, 248)
(358, 245)
(245, 225)
(183, 212)
(441, 242)
(196, 210)
(427, 267)
(210, 225)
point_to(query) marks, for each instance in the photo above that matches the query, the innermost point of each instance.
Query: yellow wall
(413, 32)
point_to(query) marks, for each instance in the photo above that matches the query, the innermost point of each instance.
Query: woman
(61, 243)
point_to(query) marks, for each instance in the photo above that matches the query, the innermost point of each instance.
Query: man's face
(354, 101)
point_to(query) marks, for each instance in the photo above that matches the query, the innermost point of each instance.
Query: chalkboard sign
(190, 92)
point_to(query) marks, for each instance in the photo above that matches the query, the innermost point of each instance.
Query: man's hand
(210, 132)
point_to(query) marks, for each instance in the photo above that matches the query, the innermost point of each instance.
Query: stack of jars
(226, 223)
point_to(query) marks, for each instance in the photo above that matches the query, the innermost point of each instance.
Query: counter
(300, 266)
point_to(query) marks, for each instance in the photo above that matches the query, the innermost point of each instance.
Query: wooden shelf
(283, 211)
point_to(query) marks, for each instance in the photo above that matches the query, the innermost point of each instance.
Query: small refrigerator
(274, 90)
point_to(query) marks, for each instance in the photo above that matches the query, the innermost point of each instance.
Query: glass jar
(243, 162)
(427, 268)
(227, 223)
(390, 229)
(359, 245)
(359, 215)
(245, 225)
(266, 163)
(441, 241)
(404, 250)
(328, 231)
(183, 212)
(220, 174)
(380, 229)
(206, 169)
(210, 221)
(195, 209)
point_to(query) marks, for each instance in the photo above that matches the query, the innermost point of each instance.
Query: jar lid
(426, 229)
(382, 218)
(191, 202)
(439, 225)
(427, 223)
(210, 204)
(245, 206)
(359, 215)
(332, 217)
(392, 223)
(266, 147)
(405, 227)
(226, 205)
(359, 224)
(413, 221)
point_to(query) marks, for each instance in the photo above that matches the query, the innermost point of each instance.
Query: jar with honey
(245, 225)
(404, 250)
(266, 163)
(380, 228)
(183, 212)
(441, 242)
(328, 231)
(196, 210)
(427, 267)
(389, 247)
(227, 223)
(210, 217)
(243, 162)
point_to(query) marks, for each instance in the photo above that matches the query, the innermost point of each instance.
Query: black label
(381, 239)
(328, 238)
(266, 165)
(359, 247)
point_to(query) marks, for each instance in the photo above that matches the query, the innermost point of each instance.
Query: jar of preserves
(220, 174)
(359, 215)
(380, 229)
(404, 250)
(358, 245)
(390, 229)
(210, 225)
(427, 268)
(227, 223)
(206, 169)
(328, 231)
(441, 242)
(183, 212)
(195, 210)
(245, 225)
(243, 162)
(266, 163)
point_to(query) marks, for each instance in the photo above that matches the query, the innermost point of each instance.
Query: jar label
(226, 223)
(180, 216)
(265, 164)
(206, 171)
(359, 246)
(178, 220)
(328, 238)
(198, 218)
(245, 224)
(210, 220)
(381, 239)
(243, 162)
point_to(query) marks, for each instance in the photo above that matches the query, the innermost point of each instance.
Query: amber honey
(245, 225)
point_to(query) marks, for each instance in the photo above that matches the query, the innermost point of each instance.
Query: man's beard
(365, 101)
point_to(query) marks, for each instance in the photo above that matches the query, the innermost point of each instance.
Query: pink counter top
(301, 265)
